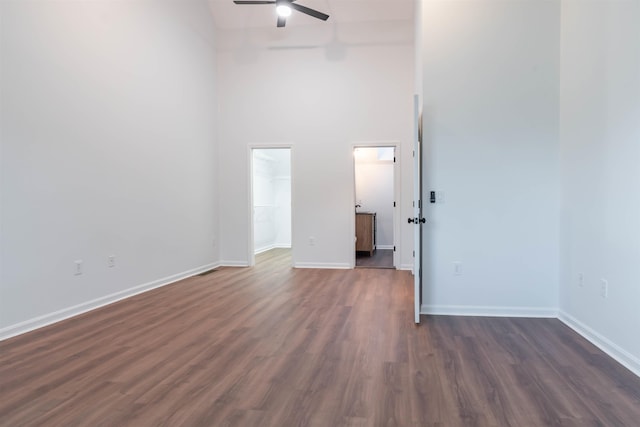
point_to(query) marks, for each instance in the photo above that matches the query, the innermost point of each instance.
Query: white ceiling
(227, 15)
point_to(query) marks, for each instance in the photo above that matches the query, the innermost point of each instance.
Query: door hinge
(394, 249)
(414, 254)
(394, 159)
(394, 204)
(420, 204)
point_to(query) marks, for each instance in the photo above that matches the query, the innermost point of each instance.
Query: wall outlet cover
(604, 288)
(78, 267)
(457, 268)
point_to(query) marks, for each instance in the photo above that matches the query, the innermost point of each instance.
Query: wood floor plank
(277, 346)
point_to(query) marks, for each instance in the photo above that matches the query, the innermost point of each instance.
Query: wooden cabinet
(365, 232)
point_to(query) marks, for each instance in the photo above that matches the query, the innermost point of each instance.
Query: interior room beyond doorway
(375, 199)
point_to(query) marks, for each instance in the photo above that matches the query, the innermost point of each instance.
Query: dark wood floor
(381, 258)
(275, 346)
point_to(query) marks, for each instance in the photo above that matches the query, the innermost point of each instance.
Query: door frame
(418, 208)
(397, 195)
(251, 243)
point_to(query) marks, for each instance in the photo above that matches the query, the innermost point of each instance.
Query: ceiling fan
(283, 8)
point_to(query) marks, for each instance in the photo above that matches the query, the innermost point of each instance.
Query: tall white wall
(490, 86)
(374, 192)
(322, 89)
(600, 146)
(108, 148)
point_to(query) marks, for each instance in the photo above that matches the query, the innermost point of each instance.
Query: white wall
(108, 148)
(600, 143)
(490, 79)
(271, 199)
(374, 191)
(322, 89)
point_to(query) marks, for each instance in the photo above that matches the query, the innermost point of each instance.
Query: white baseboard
(489, 311)
(408, 267)
(384, 246)
(65, 313)
(622, 356)
(268, 248)
(264, 249)
(234, 264)
(323, 265)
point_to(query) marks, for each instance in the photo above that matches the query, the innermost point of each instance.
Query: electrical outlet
(78, 269)
(111, 261)
(604, 288)
(581, 280)
(457, 268)
(312, 241)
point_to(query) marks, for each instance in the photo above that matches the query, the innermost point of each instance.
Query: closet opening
(270, 203)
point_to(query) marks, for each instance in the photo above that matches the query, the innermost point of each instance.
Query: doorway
(270, 201)
(375, 206)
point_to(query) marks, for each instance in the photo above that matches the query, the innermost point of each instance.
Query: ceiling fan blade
(308, 11)
(253, 2)
(281, 21)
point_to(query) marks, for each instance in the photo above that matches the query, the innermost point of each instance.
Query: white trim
(65, 313)
(622, 356)
(264, 249)
(244, 263)
(417, 180)
(384, 246)
(407, 267)
(324, 265)
(274, 246)
(489, 311)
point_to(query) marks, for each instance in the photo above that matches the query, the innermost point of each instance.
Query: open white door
(417, 219)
